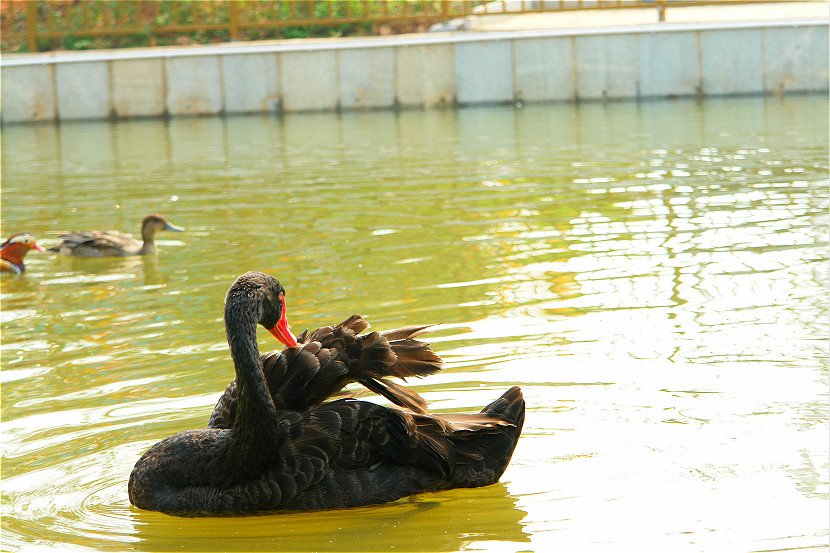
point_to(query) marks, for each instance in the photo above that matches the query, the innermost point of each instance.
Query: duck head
(154, 223)
(15, 249)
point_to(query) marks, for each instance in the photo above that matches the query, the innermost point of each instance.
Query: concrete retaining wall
(662, 60)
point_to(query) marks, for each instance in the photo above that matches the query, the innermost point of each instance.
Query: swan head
(262, 294)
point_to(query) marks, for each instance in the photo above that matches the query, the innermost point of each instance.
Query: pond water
(652, 274)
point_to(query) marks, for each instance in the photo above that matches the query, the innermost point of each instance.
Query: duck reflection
(112, 268)
(442, 521)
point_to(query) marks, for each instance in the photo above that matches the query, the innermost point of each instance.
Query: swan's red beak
(281, 331)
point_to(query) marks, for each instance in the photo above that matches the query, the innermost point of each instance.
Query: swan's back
(344, 453)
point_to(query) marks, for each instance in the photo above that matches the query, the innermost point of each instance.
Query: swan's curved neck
(255, 428)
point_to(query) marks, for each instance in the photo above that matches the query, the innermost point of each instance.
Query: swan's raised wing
(330, 358)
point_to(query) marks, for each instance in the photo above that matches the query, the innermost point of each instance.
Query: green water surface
(652, 274)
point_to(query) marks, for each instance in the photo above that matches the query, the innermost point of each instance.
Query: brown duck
(337, 454)
(113, 243)
(13, 250)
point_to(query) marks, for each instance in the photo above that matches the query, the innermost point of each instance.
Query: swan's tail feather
(510, 406)
(485, 442)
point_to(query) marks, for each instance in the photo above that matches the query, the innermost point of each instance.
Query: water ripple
(658, 290)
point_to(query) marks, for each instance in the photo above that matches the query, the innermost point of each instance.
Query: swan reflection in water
(442, 521)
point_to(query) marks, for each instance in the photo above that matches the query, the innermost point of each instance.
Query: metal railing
(37, 25)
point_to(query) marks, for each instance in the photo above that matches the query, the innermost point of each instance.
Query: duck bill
(171, 226)
(39, 248)
(281, 331)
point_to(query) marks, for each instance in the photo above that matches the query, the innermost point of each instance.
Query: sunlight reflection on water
(658, 291)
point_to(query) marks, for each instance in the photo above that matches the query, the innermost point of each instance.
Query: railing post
(31, 24)
(661, 10)
(234, 21)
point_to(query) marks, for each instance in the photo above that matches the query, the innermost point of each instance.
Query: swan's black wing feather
(331, 357)
(374, 454)
(397, 394)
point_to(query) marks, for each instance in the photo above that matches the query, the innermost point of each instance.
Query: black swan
(113, 243)
(333, 356)
(344, 453)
